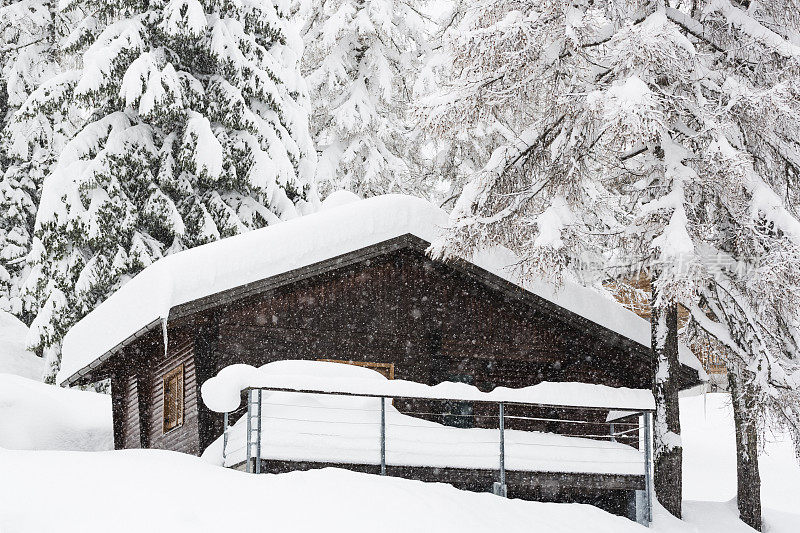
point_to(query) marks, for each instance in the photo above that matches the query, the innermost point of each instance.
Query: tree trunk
(667, 448)
(748, 479)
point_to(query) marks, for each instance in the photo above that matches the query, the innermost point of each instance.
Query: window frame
(459, 414)
(389, 367)
(177, 374)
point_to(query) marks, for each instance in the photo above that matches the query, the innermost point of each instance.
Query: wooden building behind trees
(635, 294)
(384, 304)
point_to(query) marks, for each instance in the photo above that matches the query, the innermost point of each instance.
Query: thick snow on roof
(223, 392)
(329, 428)
(14, 358)
(346, 226)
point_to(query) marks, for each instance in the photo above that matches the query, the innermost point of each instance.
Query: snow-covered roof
(222, 392)
(345, 226)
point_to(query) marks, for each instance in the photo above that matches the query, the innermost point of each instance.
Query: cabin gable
(422, 316)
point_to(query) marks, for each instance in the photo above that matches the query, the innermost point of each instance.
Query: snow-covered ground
(163, 491)
(38, 416)
(150, 490)
(146, 490)
(709, 457)
(720, 517)
(14, 358)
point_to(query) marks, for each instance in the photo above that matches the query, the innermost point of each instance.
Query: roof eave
(83, 374)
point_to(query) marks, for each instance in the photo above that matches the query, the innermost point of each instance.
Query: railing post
(383, 436)
(224, 438)
(258, 435)
(648, 479)
(248, 463)
(502, 450)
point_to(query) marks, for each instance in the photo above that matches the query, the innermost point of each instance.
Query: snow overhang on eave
(80, 376)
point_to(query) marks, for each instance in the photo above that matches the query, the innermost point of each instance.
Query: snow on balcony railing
(222, 393)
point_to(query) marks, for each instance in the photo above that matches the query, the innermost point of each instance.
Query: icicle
(164, 334)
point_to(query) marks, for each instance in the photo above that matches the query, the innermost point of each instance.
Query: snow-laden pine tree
(361, 60)
(628, 136)
(195, 127)
(28, 30)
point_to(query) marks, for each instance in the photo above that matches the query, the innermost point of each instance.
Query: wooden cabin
(385, 304)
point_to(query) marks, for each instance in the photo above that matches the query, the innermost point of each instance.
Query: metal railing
(634, 434)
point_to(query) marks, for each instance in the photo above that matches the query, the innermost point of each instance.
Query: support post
(502, 450)
(613, 437)
(383, 436)
(248, 462)
(258, 435)
(224, 438)
(648, 476)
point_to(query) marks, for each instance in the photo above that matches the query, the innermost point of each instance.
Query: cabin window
(455, 413)
(387, 369)
(173, 399)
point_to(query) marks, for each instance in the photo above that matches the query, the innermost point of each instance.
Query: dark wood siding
(129, 406)
(119, 396)
(428, 320)
(133, 429)
(205, 350)
(184, 438)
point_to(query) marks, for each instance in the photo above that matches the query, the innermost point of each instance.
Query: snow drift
(126, 491)
(137, 485)
(38, 416)
(91, 491)
(14, 358)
